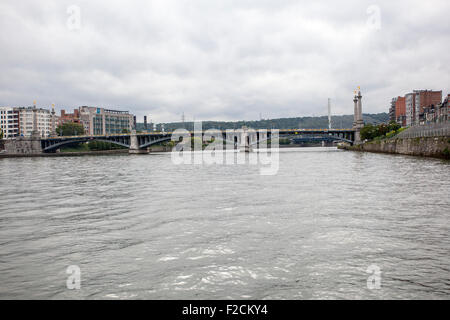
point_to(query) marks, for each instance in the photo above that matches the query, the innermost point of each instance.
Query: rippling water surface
(142, 227)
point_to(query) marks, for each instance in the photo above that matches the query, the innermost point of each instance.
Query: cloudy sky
(227, 60)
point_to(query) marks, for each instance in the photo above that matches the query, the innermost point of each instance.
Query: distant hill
(337, 122)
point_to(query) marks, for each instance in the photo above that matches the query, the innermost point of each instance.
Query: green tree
(382, 129)
(1, 134)
(70, 129)
(368, 132)
(102, 145)
(394, 126)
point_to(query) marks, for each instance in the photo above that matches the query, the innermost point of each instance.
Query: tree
(368, 132)
(102, 145)
(382, 129)
(394, 126)
(1, 134)
(70, 129)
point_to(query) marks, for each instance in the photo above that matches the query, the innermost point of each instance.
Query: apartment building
(400, 111)
(9, 122)
(392, 113)
(425, 99)
(410, 108)
(26, 121)
(69, 117)
(100, 121)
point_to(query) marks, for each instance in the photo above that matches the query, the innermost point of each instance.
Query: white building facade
(410, 102)
(9, 122)
(26, 121)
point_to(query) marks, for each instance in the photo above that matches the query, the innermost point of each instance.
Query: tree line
(383, 130)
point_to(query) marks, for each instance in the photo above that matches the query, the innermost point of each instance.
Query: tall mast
(329, 113)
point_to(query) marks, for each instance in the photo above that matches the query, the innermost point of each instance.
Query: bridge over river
(140, 142)
(244, 138)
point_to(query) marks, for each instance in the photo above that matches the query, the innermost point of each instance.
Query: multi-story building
(392, 112)
(98, 121)
(425, 99)
(428, 115)
(69, 117)
(435, 113)
(443, 110)
(9, 122)
(400, 111)
(410, 110)
(26, 121)
(410, 107)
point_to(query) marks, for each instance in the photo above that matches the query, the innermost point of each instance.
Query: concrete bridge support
(134, 145)
(245, 140)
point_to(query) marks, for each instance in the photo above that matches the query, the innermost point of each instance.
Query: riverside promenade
(431, 140)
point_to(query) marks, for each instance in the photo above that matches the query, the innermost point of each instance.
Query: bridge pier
(134, 145)
(245, 140)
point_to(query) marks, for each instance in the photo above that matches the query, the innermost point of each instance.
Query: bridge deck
(281, 131)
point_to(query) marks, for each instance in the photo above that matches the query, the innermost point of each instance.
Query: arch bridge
(140, 142)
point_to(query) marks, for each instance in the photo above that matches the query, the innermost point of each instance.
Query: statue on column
(53, 120)
(358, 118)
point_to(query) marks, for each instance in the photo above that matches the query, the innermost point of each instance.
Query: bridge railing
(429, 130)
(169, 133)
(107, 135)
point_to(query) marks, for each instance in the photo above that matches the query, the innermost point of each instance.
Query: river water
(141, 227)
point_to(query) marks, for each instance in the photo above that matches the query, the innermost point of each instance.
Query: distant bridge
(144, 140)
(141, 141)
(244, 138)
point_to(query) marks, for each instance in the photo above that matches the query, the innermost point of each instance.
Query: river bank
(66, 154)
(152, 149)
(435, 147)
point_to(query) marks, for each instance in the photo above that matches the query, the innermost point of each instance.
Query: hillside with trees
(344, 121)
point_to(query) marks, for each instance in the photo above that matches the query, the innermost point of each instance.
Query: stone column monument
(35, 132)
(35, 139)
(359, 122)
(53, 132)
(355, 110)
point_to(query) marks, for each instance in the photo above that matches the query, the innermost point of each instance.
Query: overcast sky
(222, 60)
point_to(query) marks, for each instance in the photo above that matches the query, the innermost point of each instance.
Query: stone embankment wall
(159, 149)
(438, 147)
(64, 154)
(23, 146)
